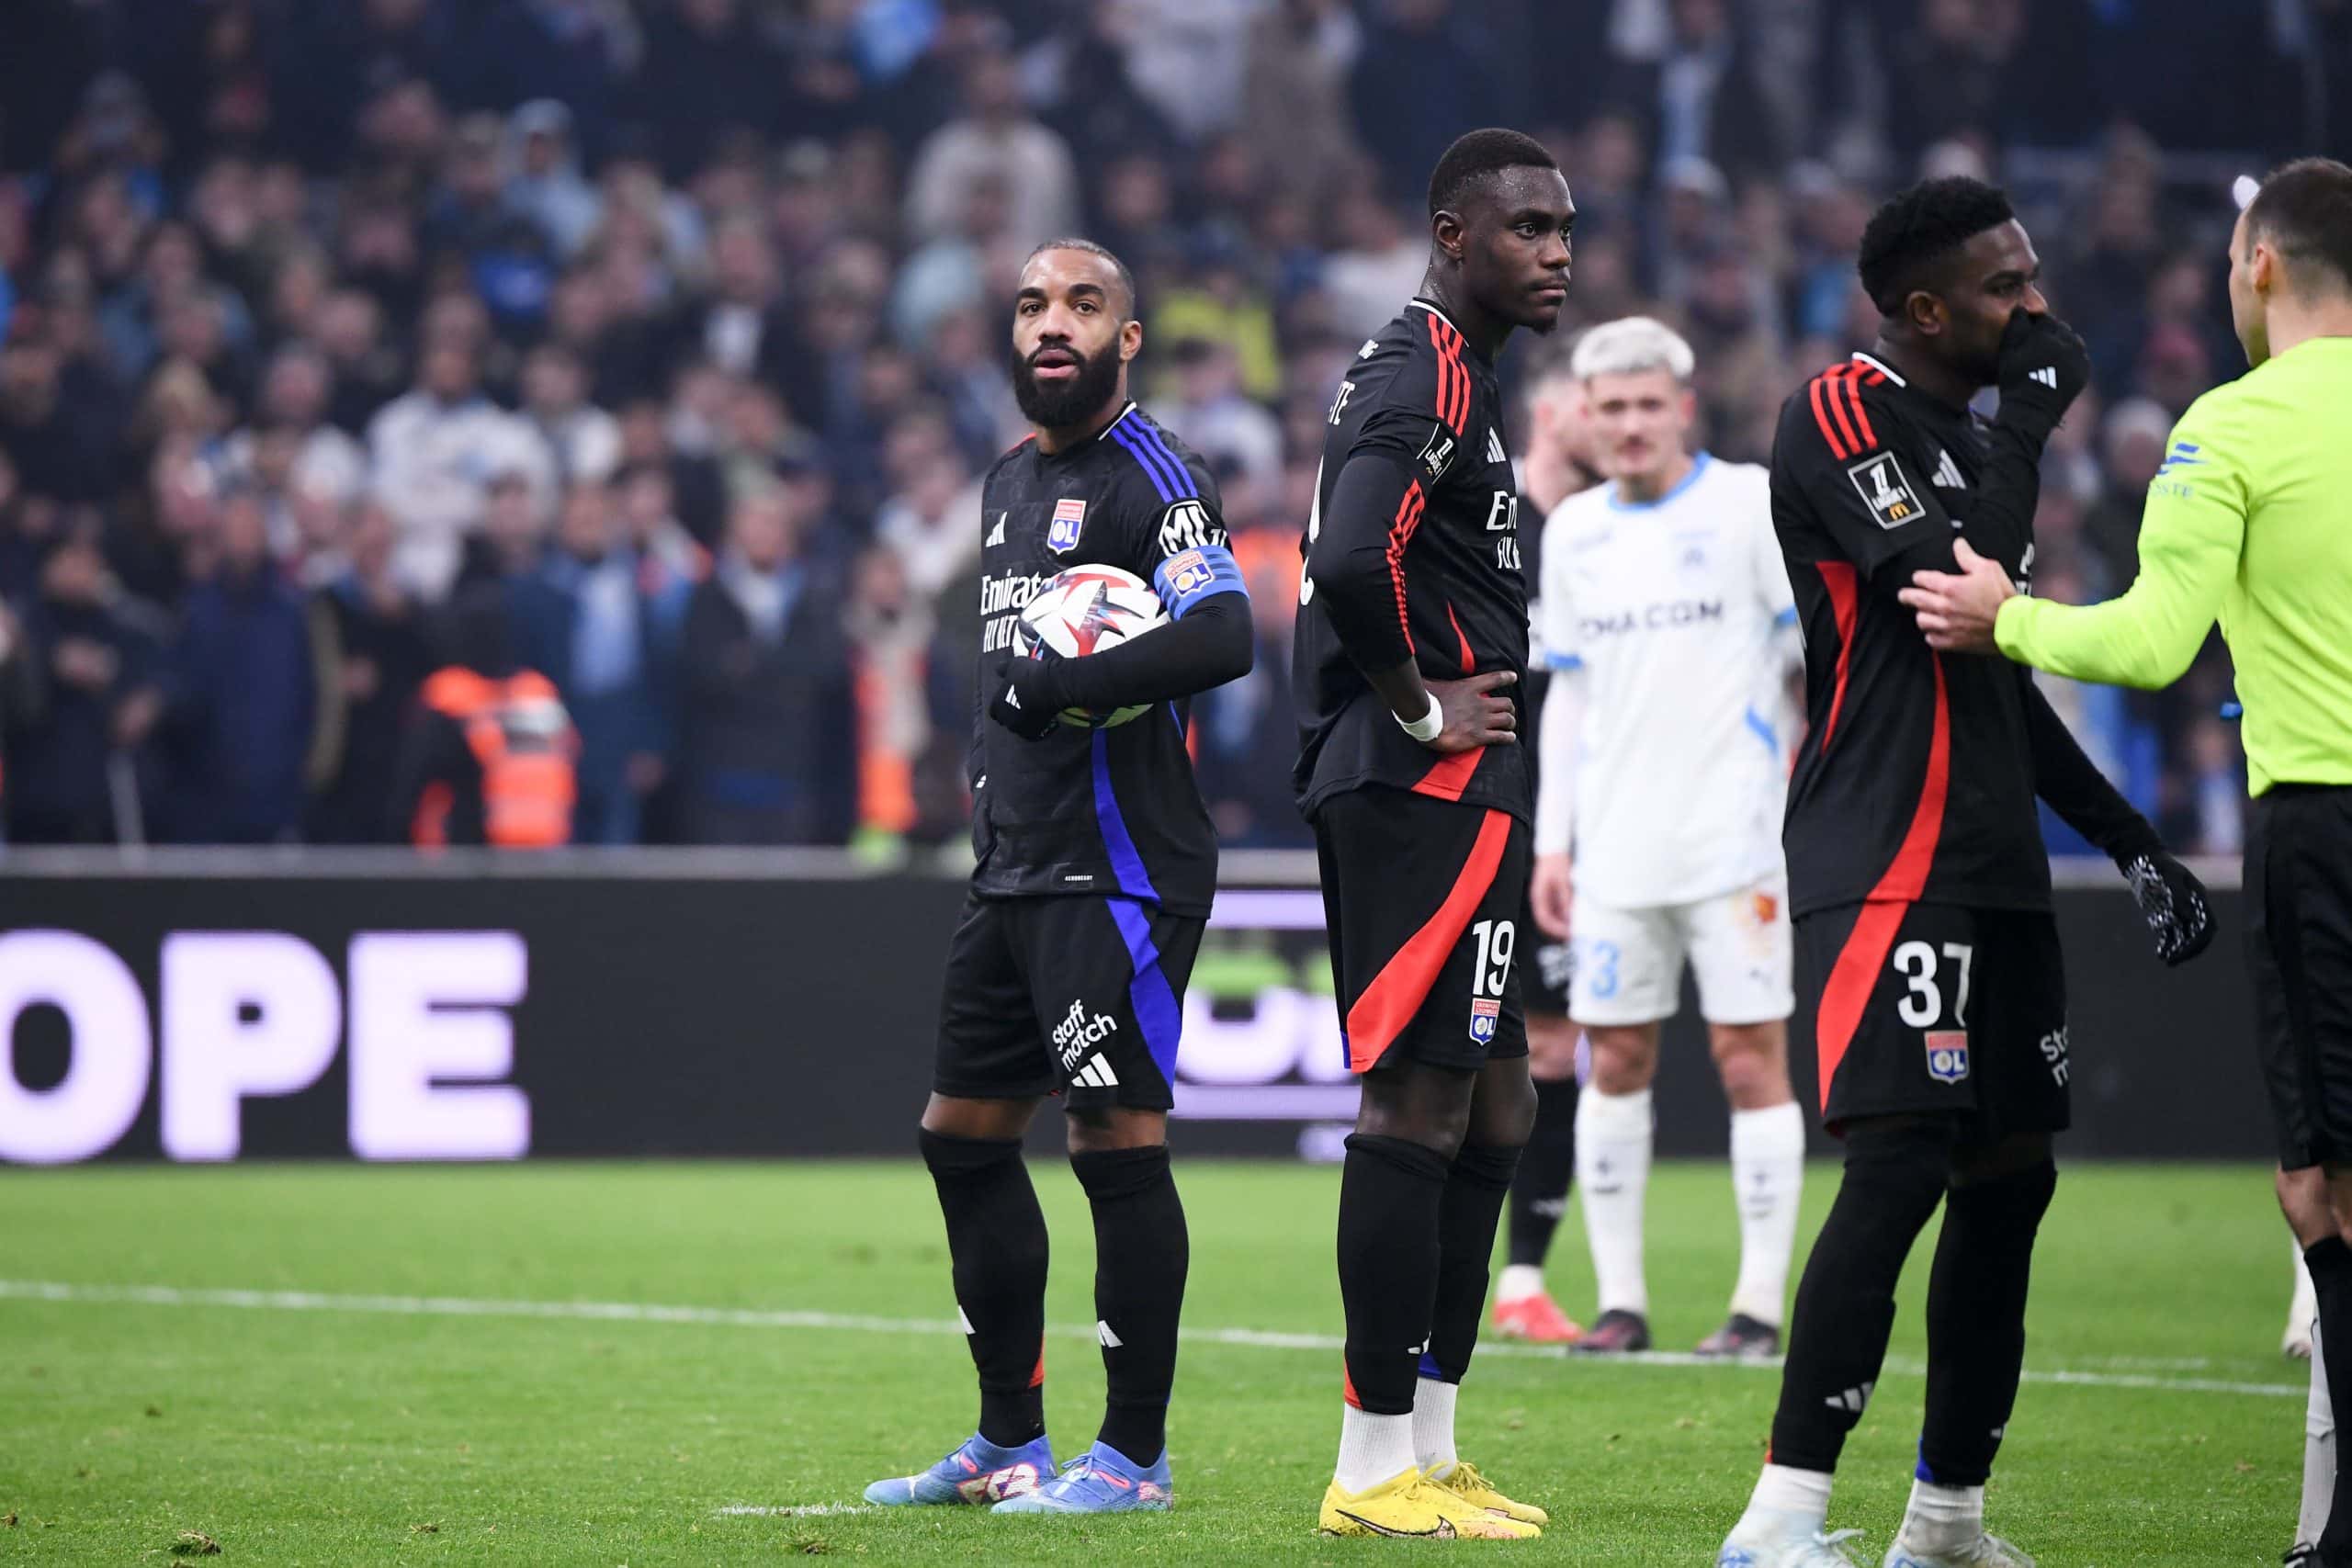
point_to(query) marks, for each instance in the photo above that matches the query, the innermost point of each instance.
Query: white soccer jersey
(1679, 616)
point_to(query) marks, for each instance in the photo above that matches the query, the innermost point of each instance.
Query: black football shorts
(2299, 956)
(1937, 1008)
(1423, 899)
(1080, 996)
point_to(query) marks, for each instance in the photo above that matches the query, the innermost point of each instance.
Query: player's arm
(2190, 536)
(2171, 899)
(1362, 592)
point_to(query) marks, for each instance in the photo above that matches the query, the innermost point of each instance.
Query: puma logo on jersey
(1947, 472)
(1494, 452)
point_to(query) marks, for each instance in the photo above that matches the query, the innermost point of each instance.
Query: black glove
(2173, 903)
(2044, 367)
(1028, 703)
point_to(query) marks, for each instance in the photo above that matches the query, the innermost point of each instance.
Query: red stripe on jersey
(1850, 384)
(1837, 580)
(1856, 972)
(1451, 775)
(1833, 383)
(1400, 534)
(1396, 993)
(1452, 379)
(1821, 417)
(1469, 660)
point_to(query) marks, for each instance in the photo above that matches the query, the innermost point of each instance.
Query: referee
(2250, 519)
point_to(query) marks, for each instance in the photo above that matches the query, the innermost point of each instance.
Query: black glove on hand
(1028, 703)
(2173, 903)
(2044, 367)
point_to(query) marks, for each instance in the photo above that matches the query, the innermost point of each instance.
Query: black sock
(2330, 1262)
(1467, 1215)
(996, 1237)
(1896, 1172)
(1976, 1321)
(1140, 1255)
(1391, 1192)
(1539, 1195)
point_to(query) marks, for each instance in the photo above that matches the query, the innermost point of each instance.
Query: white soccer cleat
(1765, 1539)
(1984, 1551)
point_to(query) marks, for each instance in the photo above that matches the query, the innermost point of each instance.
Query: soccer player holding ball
(1097, 864)
(1926, 954)
(1412, 636)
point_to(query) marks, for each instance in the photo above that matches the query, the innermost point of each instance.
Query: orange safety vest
(518, 731)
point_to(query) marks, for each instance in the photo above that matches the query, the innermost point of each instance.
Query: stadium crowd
(670, 334)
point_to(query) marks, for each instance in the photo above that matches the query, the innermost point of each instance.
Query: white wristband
(1426, 728)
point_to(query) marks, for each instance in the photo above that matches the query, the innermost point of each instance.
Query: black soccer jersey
(1918, 775)
(1106, 812)
(1420, 395)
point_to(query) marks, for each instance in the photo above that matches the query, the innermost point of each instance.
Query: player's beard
(1063, 405)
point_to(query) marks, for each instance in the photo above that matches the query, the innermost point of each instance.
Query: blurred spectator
(996, 137)
(708, 71)
(2131, 445)
(1424, 75)
(1299, 57)
(375, 658)
(1379, 264)
(568, 54)
(547, 186)
(584, 440)
(740, 324)
(242, 696)
(890, 628)
(79, 697)
(767, 694)
(931, 527)
(582, 620)
(1701, 98)
(487, 758)
(434, 449)
(1205, 401)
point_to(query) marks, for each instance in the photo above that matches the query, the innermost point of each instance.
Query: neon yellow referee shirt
(2249, 520)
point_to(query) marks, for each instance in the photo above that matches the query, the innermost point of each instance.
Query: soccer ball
(1086, 609)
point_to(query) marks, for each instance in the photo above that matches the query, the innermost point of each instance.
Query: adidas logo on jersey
(1494, 452)
(1110, 1338)
(2047, 376)
(996, 534)
(1947, 472)
(1096, 1074)
(1076, 1032)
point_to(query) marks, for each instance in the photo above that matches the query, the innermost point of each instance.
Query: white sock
(2319, 1447)
(1784, 1491)
(1942, 1519)
(2305, 1306)
(1614, 1140)
(1767, 1180)
(1433, 1426)
(1519, 1281)
(1373, 1448)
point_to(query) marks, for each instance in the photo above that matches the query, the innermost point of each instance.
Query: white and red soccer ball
(1088, 609)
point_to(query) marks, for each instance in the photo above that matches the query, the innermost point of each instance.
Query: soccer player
(1556, 466)
(1412, 634)
(1671, 633)
(1919, 885)
(1096, 867)
(2245, 524)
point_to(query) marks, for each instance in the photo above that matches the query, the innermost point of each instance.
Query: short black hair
(1126, 278)
(2304, 209)
(1478, 154)
(1920, 228)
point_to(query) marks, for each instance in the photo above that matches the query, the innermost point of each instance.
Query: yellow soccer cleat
(1464, 1481)
(1409, 1506)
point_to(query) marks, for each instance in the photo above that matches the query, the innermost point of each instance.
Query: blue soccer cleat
(978, 1473)
(1099, 1481)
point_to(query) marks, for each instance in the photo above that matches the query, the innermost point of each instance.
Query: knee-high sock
(996, 1240)
(1142, 1253)
(2330, 1262)
(1467, 1215)
(1614, 1139)
(1976, 1298)
(2319, 1445)
(1768, 1180)
(1391, 1194)
(1539, 1194)
(1894, 1176)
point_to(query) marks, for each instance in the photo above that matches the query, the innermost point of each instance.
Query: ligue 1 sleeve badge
(1947, 1055)
(1070, 515)
(1484, 1013)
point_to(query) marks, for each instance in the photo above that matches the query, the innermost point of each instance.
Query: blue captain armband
(1184, 579)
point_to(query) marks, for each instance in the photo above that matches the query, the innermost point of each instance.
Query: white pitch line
(800, 1511)
(752, 1317)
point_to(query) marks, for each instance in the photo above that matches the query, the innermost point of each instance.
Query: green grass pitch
(384, 1414)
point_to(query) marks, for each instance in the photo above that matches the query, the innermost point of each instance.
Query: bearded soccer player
(1412, 637)
(1096, 867)
(1671, 636)
(1926, 949)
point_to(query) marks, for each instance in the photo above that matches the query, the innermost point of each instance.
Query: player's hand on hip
(1550, 890)
(1957, 610)
(1478, 713)
(1022, 703)
(2172, 902)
